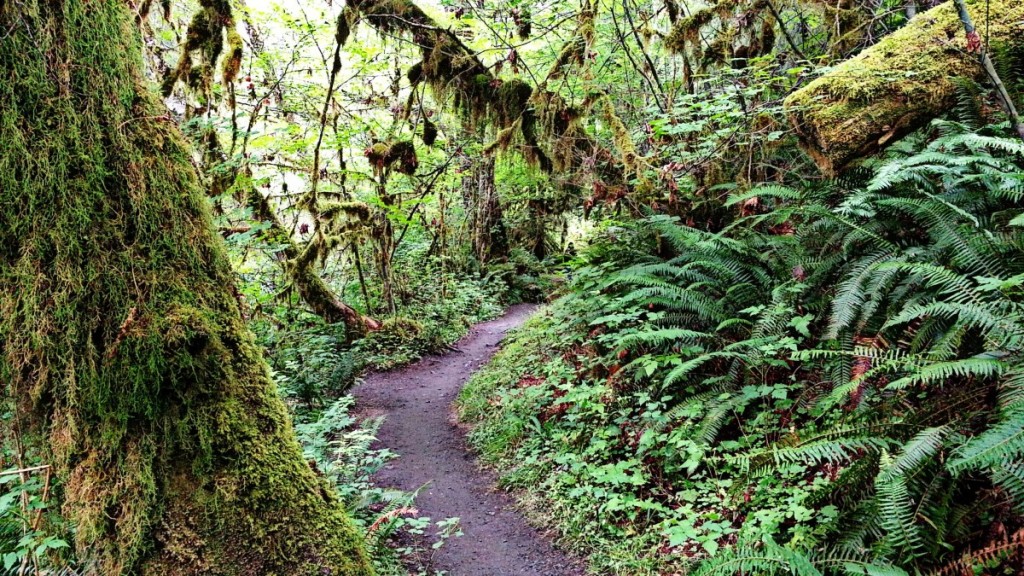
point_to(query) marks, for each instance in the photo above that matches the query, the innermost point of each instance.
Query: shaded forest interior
(778, 247)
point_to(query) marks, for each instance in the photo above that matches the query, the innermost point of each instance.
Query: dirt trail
(417, 402)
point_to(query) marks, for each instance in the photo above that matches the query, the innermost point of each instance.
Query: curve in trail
(432, 451)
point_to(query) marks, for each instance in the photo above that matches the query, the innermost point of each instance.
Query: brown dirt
(433, 453)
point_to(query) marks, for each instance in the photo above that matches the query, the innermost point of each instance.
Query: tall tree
(122, 339)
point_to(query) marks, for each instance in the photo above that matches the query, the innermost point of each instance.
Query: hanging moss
(635, 163)
(896, 85)
(687, 30)
(560, 130)
(673, 11)
(403, 153)
(685, 36)
(539, 122)
(415, 74)
(575, 51)
(121, 336)
(376, 154)
(307, 283)
(210, 30)
(400, 154)
(391, 15)
(511, 101)
(346, 20)
(233, 59)
(524, 23)
(356, 210)
(429, 132)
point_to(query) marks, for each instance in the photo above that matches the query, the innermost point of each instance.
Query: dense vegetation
(780, 242)
(831, 384)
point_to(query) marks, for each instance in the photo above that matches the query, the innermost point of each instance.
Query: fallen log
(897, 85)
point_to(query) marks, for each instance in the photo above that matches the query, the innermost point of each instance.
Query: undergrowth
(832, 384)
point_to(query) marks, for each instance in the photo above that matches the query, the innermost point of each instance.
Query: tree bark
(121, 335)
(895, 86)
(490, 240)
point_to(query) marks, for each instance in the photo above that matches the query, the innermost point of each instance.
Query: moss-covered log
(121, 337)
(897, 85)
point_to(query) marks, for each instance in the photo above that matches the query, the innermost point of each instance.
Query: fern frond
(917, 451)
(763, 558)
(941, 372)
(1010, 477)
(1000, 444)
(897, 512)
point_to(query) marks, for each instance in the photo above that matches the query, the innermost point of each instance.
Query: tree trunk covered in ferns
(121, 337)
(897, 85)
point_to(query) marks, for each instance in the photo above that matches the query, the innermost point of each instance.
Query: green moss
(211, 29)
(352, 209)
(400, 154)
(429, 132)
(415, 74)
(686, 30)
(510, 101)
(546, 128)
(895, 86)
(233, 59)
(401, 327)
(122, 338)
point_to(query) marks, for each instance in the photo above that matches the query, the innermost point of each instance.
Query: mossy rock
(400, 327)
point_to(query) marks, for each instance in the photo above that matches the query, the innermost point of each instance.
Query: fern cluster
(838, 374)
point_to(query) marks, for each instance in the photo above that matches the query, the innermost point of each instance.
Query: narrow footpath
(432, 451)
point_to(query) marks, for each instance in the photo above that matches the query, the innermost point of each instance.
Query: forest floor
(419, 426)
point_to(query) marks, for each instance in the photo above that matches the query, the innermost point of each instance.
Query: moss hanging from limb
(672, 7)
(575, 51)
(896, 85)
(122, 338)
(311, 288)
(549, 132)
(211, 30)
(686, 31)
(398, 155)
(635, 163)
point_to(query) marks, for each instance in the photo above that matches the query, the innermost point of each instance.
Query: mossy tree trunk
(384, 241)
(120, 333)
(896, 85)
(490, 239)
